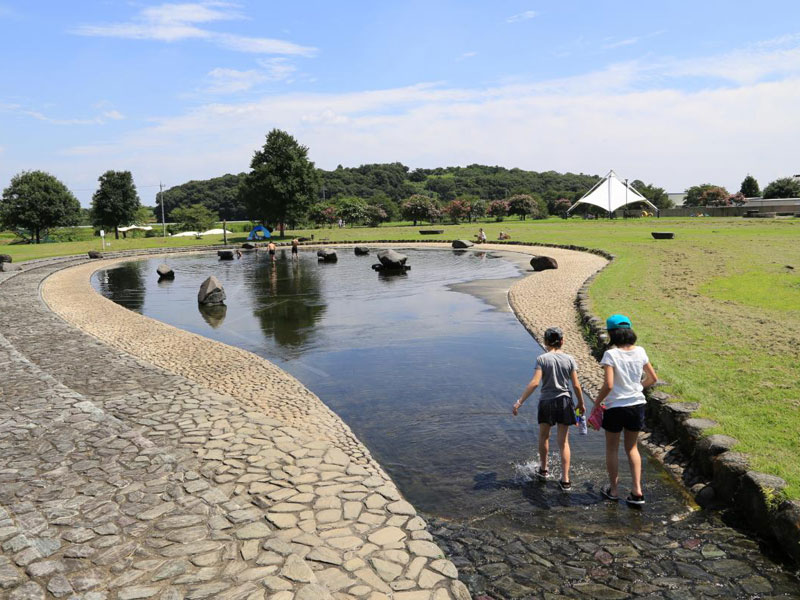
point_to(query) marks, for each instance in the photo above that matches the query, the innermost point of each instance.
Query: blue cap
(618, 322)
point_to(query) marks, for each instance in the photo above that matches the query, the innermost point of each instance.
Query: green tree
(375, 215)
(194, 218)
(352, 210)
(282, 183)
(420, 208)
(695, 193)
(715, 196)
(786, 187)
(656, 195)
(521, 205)
(749, 188)
(36, 201)
(498, 209)
(115, 203)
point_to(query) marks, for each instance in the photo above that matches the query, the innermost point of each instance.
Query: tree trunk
(38, 241)
(116, 231)
(280, 227)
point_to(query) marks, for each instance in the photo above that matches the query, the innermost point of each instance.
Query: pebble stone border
(717, 475)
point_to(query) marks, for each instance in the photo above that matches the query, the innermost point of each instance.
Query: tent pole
(609, 193)
(626, 197)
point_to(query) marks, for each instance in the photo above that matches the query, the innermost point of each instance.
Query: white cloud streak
(523, 16)
(102, 118)
(177, 22)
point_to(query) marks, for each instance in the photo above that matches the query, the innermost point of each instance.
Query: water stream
(424, 367)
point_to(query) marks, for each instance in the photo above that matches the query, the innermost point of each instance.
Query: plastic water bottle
(583, 429)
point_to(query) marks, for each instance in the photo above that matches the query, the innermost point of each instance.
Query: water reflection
(126, 281)
(213, 314)
(288, 300)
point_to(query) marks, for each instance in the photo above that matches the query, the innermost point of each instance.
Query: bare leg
(634, 460)
(544, 445)
(612, 460)
(563, 446)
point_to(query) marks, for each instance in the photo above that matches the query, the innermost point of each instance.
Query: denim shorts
(630, 418)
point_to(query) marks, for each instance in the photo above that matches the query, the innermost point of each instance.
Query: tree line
(284, 188)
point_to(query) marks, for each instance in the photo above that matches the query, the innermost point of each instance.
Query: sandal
(565, 486)
(606, 491)
(541, 473)
(634, 500)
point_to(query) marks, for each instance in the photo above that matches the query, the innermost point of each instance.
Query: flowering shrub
(498, 209)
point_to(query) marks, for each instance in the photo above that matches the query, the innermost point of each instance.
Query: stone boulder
(391, 259)
(165, 272)
(247, 246)
(662, 235)
(5, 258)
(462, 244)
(225, 254)
(95, 254)
(361, 251)
(542, 263)
(327, 255)
(211, 292)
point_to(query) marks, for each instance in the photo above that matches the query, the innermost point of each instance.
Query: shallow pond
(424, 367)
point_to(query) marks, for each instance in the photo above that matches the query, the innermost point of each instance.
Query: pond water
(424, 367)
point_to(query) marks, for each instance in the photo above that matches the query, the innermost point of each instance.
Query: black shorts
(630, 418)
(272, 252)
(294, 249)
(557, 411)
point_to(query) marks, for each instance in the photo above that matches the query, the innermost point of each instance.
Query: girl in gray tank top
(555, 372)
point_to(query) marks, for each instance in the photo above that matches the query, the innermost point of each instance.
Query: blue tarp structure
(256, 230)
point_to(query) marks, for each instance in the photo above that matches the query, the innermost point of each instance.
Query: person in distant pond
(272, 247)
(555, 370)
(622, 395)
(295, 244)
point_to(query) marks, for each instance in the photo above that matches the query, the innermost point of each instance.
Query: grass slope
(717, 308)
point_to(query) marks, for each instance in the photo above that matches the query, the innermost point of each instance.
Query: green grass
(716, 308)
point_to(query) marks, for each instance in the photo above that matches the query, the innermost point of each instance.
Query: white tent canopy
(611, 193)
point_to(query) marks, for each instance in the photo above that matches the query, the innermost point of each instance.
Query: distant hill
(394, 182)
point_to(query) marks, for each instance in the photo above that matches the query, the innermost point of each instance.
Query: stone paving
(142, 461)
(124, 480)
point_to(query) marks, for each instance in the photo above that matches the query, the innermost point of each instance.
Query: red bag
(596, 418)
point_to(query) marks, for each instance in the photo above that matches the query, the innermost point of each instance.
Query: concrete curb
(756, 497)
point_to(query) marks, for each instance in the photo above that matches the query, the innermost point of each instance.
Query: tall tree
(282, 183)
(694, 194)
(656, 195)
(34, 202)
(749, 187)
(786, 187)
(115, 202)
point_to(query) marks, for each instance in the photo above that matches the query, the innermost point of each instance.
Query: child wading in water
(623, 396)
(554, 370)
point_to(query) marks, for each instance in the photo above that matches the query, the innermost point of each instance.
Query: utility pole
(161, 199)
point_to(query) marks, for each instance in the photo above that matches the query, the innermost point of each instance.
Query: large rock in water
(361, 250)
(164, 272)
(327, 255)
(225, 254)
(211, 292)
(247, 246)
(542, 263)
(462, 244)
(95, 254)
(5, 258)
(392, 260)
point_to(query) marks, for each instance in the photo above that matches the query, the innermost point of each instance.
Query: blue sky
(676, 94)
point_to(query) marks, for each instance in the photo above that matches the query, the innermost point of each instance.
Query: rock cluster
(211, 292)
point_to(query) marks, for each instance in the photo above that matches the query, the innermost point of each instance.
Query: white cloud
(229, 81)
(523, 16)
(277, 69)
(176, 22)
(619, 43)
(467, 55)
(100, 119)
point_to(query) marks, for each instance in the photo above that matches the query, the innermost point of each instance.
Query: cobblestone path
(121, 480)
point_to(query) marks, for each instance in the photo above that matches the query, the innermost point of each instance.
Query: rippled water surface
(423, 373)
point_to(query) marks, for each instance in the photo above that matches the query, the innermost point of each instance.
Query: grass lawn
(717, 308)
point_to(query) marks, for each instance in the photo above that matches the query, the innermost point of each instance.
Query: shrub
(498, 209)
